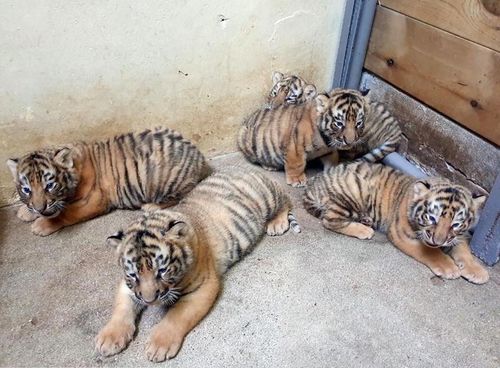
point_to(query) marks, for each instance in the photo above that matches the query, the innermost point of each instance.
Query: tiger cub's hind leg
(335, 221)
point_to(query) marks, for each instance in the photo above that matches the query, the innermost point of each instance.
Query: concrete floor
(315, 299)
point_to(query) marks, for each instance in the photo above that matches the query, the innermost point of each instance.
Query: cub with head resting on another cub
(420, 217)
(176, 257)
(66, 185)
(289, 90)
(381, 135)
(290, 135)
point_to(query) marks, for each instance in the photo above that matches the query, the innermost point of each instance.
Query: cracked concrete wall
(91, 69)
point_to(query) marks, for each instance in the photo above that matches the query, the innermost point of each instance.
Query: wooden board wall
(469, 19)
(455, 76)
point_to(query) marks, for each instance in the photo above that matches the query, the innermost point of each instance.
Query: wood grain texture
(454, 76)
(469, 19)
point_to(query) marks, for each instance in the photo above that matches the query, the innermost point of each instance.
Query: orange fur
(177, 256)
(419, 216)
(63, 186)
(290, 135)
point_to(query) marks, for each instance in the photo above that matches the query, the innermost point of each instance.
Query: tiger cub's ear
(115, 239)
(64, 158)
(310, 92)
(12, 164)
(479, 201)
(420, 188)
(178, 230)
(277, 76)
(321, 103)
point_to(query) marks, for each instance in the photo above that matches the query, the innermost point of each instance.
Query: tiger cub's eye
(50, 186)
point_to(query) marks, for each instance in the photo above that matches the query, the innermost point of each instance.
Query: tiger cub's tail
(294, 225)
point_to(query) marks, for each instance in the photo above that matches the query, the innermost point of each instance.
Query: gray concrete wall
(89, 69)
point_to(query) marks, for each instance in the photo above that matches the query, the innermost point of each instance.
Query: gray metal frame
(485, 242)
(356, 30)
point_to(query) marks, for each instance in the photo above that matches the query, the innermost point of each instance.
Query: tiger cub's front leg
(118, 332)
(470, 268)
(25, 214)
(441, 264)
(74, 213)
(295, 164)
(168, 335)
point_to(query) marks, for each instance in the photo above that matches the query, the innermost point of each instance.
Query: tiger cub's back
(156, 166)
(232, 208)
(360, 190)
(382, 131)
(265, 134)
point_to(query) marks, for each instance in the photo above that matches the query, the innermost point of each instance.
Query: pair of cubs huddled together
(176, 256)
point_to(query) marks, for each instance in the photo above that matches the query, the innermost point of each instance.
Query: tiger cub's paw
(446, 269)
(113, 338)
(364, 232)
(24, 214)
(44, 226)
(278, 225)
(296, 181)
(162, 345)
(473, 272)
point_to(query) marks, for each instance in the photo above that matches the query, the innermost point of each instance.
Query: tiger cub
(289, 135)
(382, 134)
(419, 216)
(66, 185)
(175, 257)
(290, 90)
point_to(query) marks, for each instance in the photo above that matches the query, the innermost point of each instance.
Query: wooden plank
(470, 19)
(454, 76)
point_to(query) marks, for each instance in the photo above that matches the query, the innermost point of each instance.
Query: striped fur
(66, 185)
(382, 134)
(419, 216)
(289, 90)
(179, 254)
(289, 135)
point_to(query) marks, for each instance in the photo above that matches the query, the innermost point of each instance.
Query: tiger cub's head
(155, 253)
(341, 117)
(441, 212)
(289, 90)
(45, 180)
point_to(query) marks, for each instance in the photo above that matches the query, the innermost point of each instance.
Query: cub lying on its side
(176, 257)
(66, 185)
(419, 216)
